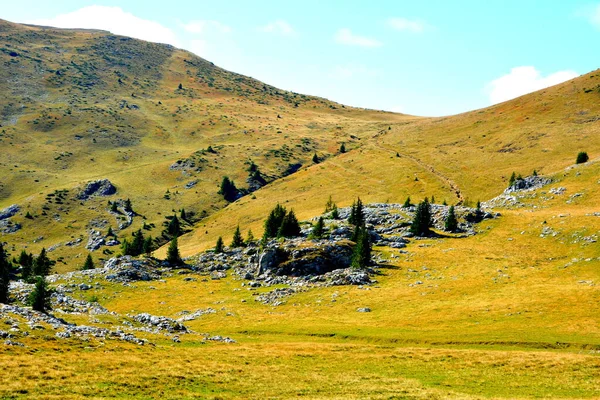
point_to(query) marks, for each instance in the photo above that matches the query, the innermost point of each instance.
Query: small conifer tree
(315, 158)
(89, 263)
(451, 224)
(183, 215)
(582, 157)
(173, 256)
(26, 263)
(357, 214)
(174, 227)
(422, 220)
(126, 248)
(39, 298)
(342, 148)
(249, 237)
(237, 241)
(137, 245)
(127, 206)
(407, 202)
(113, 207)
(329, 205)
(512, 179)
(5, 268)
(289, 226)
(274, 221)
(110, 232)
(42, 264)
(361, 254)
(219, 245)
(335, 214)
(148, 245)
(318, 229)
(228, 189)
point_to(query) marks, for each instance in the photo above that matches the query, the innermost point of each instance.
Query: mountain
(80, 105)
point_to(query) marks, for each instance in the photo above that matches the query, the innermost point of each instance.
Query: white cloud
(408, 25)
(523, 80)
(345, 36)
(343, 72)
(204, 26)
(112, 19)
(280, 27)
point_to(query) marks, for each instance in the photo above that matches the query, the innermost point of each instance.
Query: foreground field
(502, 314)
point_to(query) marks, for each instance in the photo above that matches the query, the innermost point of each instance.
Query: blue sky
(418, 57)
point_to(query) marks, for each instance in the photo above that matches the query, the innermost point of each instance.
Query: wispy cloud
(407, 25)
(523, 80)
(345, 36)
(112, 19)
(280, 27)
(204, 26)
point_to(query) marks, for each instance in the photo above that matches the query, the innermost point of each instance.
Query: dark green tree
(113, 207)
(342, 148)
(237, 241)
(26, 263)
(315, 159)
(173, 256)
(512, 179)
(357, 214)
(274, 221)
(89, 263)
(451, 223)
(180, 86)
(289, 226)
(249, 237)
(110, 232)
(42, 264)
(5, 268)
(407, 203)
(318, 229)
(39, 298)
(329, 205)
(219, 245)
(422, 220)
(335, 214)
(127, 206)
(228, 189)
(361, 254)
(148, 245)
(137, 245)
(582, 157)
(126, 248)
(174, 227)
(182, 215)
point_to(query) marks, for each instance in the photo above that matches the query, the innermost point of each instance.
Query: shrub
(582, 157)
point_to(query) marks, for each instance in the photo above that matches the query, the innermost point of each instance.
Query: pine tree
(5, 268)
(342, 148)
(113, 207)
(407, 203)
(219, 245)
(422, 220)
(174, 227)
(126, 248)
(110, 232)
(182, 215)
(26, 263)
(249, 237)
(148, 245)
(127, 206)
(237, 241)
(42, 264)
(451, 224)
(357, 214)
(228, 189)
(361, 254)
(137, 245)
(512, 179)
(432, 199)
(180, 86)
(315, 159)
(89, 263)
(173, 257)
(335, 214)
(329, 205)
(289, 226)
(274, 221)
(318, 229)
(39, 298)
(582, 157)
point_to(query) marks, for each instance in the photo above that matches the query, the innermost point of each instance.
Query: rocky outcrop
(528, 183)
(101, 187)
(9, 212)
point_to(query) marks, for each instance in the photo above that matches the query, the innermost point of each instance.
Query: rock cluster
(101, 187)
(160, 323)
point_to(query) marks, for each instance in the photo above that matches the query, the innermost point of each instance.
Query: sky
(427, 57)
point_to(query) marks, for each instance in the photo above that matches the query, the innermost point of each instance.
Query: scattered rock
(363, 309)
(101, 187)
(9, 211)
